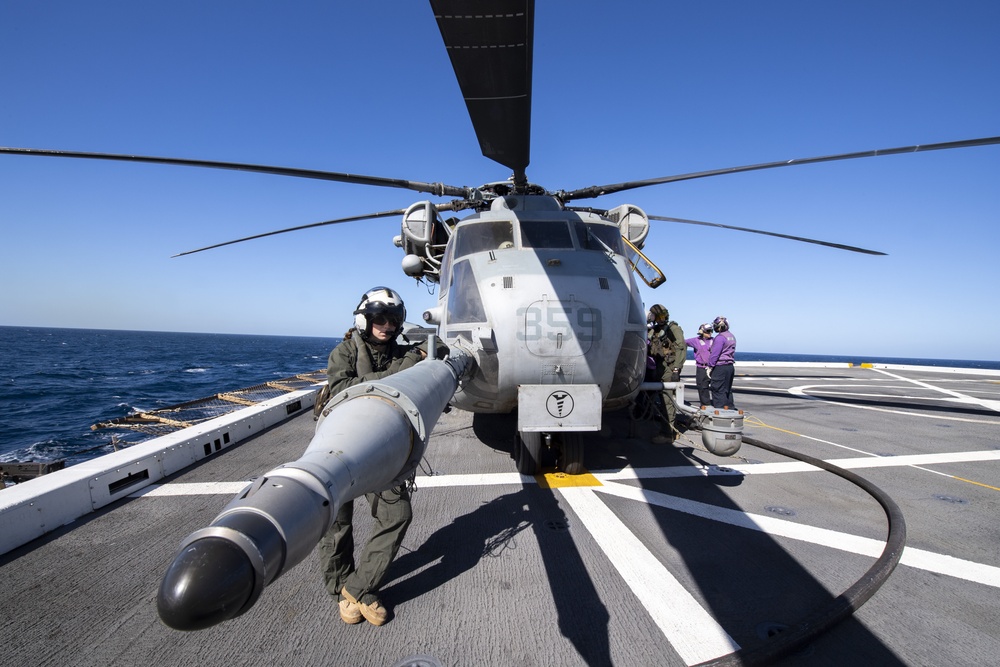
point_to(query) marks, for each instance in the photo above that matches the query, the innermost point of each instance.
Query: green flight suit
(353, 362)
(669, 351)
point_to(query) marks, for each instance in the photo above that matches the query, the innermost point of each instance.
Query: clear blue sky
(622, 90)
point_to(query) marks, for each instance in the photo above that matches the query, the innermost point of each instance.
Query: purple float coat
(702, 348)
(723, 349)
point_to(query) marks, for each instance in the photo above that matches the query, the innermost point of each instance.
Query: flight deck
(661, 554)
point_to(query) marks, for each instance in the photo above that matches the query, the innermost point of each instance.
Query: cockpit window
(445, 277)
(464, 302)
(483, 236)
(592, 235)
(545, 234)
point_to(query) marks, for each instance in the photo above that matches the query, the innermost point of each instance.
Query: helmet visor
(381, 319)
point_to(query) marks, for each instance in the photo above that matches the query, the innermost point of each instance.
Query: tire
(528, 452)
(571, 457)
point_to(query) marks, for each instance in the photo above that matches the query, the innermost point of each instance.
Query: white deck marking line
(232, 488)
(191, 489)
(918, 558)
(497, 479)
(964, 398)
(796, 466)
(859, 394)
(801, 390)
(478, 479)
(914, 462)
(692, 631)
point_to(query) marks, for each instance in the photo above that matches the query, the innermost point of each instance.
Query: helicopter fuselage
(542, 296)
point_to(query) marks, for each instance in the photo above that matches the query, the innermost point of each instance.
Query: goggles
(381, 320)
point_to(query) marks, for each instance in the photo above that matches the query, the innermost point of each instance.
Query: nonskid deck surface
(662, 555)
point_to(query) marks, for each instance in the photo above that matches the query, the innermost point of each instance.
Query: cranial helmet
(705, 328)
(720, 324)
(378, 301)
(658, 314)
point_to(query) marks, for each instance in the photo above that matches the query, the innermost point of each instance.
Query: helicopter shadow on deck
(748, 582)
(496, 431)
(751, 584)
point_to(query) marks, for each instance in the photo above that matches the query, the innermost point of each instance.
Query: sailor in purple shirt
(702, 345)
(720, 364)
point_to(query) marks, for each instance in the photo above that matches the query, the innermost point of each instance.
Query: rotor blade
(829, 244)
(369, 216)
(598, 190)
(456, 205)
(438, 189)
(490, 46)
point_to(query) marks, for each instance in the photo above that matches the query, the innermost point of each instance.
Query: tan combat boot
(374, 612)
(350, 613)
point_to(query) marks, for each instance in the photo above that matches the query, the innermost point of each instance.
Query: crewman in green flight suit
(669, 351)
(369, 351)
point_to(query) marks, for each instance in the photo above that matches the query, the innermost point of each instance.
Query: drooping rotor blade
(438, 189)
(455, 205)
(598, 190)
(829, 244)
(369, 216)
(490, 46)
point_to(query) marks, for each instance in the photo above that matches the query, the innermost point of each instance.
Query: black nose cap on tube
(210, 581)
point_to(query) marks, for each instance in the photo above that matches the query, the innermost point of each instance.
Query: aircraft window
(483, 236)
(545, 234)
(588, 235)
(464, 302)
(445, 276)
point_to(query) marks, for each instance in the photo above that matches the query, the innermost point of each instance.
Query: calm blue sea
(55, 383)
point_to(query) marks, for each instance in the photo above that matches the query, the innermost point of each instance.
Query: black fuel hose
(823, 618)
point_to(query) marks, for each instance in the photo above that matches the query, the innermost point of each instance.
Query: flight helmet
(720, 324)
(658, 315)
(378, 301)
(705, 328)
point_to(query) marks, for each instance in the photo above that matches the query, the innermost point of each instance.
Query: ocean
(56, 383)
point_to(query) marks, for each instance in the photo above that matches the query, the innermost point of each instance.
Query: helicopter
(542, 292)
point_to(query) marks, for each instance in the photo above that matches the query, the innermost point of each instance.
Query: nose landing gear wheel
(571, 457)
(528, 452)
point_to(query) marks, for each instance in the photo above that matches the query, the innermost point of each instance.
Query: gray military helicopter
(542, 294)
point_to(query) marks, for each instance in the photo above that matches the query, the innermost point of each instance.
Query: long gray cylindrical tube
(370, 437)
